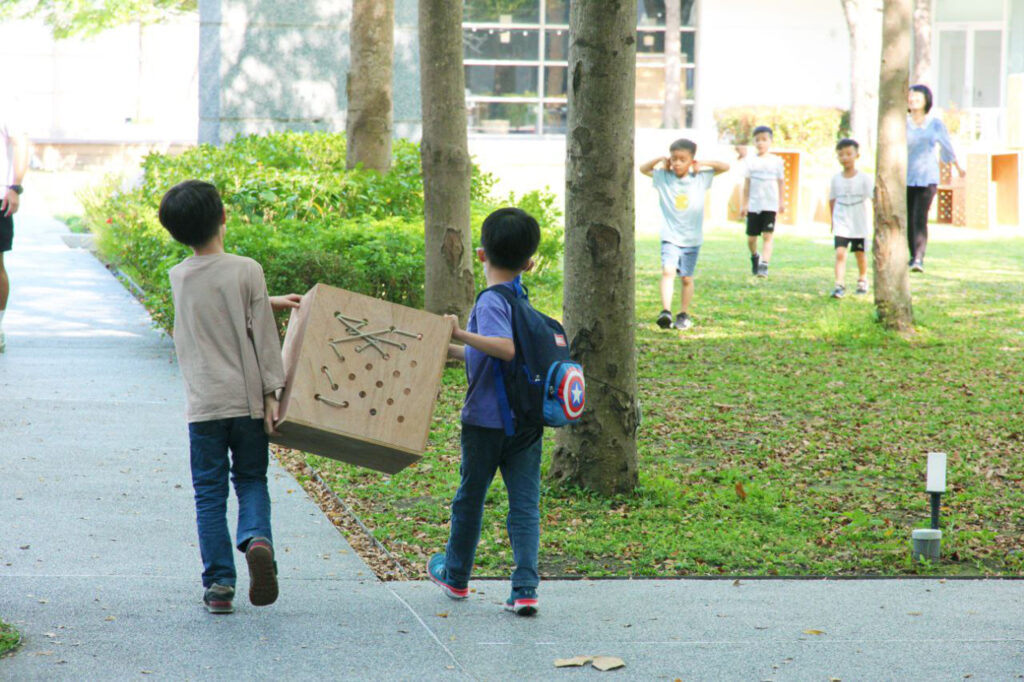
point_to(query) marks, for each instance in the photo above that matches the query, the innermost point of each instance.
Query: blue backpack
(541, 386)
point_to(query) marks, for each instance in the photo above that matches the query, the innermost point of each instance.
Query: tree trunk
(922, 41)
(890, 252)
(863, 19)
(444, 152)
(600, 452)
(368, 85)
(670, 114)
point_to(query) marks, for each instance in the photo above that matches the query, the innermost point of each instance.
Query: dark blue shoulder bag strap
(507, 418)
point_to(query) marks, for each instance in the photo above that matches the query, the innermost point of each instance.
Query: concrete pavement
(99, 567)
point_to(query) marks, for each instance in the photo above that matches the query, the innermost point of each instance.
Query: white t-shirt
(6, 151)
(850, 213)
(764, 173)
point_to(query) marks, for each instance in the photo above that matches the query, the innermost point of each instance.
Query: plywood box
(791, 192)
(993, 189)
(362, 377)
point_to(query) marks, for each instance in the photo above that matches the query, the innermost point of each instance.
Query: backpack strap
(507, 418)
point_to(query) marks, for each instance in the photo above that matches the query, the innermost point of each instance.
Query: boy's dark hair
(192, 212)
(509, 237)
(684, 145)
(762, 129)
(926, 91)
(847, 142)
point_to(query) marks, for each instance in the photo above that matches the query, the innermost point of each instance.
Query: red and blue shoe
(523, 601)
(436, 570)
(218, 598)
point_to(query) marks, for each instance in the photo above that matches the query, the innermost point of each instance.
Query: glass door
(951, 90)
(986, 90)
(970, 67)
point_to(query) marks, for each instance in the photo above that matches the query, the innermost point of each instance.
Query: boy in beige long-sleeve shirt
(230, 357)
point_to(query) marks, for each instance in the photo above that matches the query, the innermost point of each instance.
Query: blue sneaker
(523, 601)
(435, 568)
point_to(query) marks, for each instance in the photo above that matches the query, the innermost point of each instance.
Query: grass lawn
(9, 638)
(786, 434)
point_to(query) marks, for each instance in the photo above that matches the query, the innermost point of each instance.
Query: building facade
(260, 65)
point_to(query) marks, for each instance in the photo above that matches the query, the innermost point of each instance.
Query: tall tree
(863, 19)
(892, 283)
(68, 18)
(444, 152)
(922, 41)
(600, 452)
(670, 113)
(368, 84)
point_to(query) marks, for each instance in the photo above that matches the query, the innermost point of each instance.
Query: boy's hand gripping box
(362, 377)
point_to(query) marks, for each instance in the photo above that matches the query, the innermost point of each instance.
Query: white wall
(103, 89)
(753, 52)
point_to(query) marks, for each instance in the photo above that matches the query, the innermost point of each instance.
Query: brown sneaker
(262, 572)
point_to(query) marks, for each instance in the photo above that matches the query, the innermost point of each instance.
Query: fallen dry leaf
(574, 662)
(443, 614)
(605, 663)
(814, 632)
(740, 491)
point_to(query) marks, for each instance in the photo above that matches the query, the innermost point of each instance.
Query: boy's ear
(529, 265)
(224, 216)
(481, 255)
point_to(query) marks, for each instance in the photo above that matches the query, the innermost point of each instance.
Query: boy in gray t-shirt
(681, 182)
(230, 357)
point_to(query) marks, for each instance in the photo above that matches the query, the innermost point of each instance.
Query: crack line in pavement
(619, 642)
(427, 628)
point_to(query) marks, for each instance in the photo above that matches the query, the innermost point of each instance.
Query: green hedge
(293, 207)
(804, 128)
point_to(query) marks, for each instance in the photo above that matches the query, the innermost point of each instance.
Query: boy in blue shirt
(681, 182)
(509, 237)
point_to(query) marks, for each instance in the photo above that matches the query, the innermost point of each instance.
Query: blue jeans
(484, 451)
(210, 442)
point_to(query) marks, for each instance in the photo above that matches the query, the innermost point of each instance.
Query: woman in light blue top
(923, 133)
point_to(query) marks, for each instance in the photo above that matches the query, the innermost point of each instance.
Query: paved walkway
(100, 571)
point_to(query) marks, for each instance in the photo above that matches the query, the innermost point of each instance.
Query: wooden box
(791, 192)
(993, 189)
(362, 378)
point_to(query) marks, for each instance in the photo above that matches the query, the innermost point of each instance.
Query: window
(516, 58)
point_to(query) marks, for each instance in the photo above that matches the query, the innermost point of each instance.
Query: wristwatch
(18, 189)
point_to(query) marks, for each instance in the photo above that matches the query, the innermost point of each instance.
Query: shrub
(805, 128)
(292, 206)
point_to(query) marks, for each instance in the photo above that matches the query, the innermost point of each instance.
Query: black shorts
(853, 244)
(6, 232)
(764, 221)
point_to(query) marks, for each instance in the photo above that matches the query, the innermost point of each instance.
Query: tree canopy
(84, 18)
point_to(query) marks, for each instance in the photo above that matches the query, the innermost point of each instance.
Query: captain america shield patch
(572, 392)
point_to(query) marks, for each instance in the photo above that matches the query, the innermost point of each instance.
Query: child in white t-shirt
(848, 198)
(762, 198)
